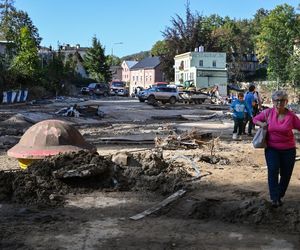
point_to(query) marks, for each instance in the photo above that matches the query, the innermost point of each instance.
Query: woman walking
(281, 146)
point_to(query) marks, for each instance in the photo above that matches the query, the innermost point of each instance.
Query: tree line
(270, 34)
(21, 66)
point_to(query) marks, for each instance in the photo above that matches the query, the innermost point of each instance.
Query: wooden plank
(160, 205)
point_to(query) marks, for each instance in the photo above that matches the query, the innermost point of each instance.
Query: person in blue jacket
(239, 107)
(250, 102)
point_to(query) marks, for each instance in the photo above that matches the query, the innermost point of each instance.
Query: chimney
(201, 48)
(196, 49)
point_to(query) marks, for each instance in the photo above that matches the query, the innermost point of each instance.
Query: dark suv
(97, 88)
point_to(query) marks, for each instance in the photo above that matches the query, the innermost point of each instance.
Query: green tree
(160, 48)
(95, 62)
(54, 73)
(182, 36)
(275, 41)
(113, 60)
(26, 62)
(293, 67)
(11, 23)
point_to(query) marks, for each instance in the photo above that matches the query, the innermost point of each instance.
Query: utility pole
(112, 48)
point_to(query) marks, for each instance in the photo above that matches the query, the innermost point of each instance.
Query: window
(133, 78)
(214, 63)
(201, 63)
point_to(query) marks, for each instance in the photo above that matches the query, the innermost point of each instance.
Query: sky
(125, 27)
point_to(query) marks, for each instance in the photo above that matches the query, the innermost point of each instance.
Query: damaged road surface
(153, 183)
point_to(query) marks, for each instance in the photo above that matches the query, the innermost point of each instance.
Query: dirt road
(226, 207)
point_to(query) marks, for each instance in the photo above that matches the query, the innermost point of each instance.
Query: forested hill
(137, 56)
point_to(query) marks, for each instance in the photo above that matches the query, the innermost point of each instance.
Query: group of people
(244, 108)
(279, 121)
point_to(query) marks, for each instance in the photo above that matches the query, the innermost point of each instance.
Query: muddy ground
(85, 200)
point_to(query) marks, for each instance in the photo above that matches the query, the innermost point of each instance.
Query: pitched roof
(148, 62)
(130, 64)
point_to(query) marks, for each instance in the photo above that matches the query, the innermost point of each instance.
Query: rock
(120, 159)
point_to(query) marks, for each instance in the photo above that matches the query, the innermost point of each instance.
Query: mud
(250, 211)
(45, 182)
(84, 201)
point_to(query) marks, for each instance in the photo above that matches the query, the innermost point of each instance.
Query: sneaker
(240, 137)
(234, 136)
(249, 134)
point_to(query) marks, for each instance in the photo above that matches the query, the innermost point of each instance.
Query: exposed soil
(84, 200)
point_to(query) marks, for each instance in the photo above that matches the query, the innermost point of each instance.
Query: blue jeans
(279, 162)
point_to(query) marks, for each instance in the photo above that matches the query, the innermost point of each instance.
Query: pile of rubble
(188, 140)
(47, 181)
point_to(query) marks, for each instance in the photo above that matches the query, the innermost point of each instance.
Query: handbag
(260, 137)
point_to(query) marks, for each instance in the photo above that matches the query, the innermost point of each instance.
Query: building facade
(205, 69)
(126, 73)
(145, 73)
(116, 73)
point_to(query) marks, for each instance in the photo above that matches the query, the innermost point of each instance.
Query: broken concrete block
(120, 159)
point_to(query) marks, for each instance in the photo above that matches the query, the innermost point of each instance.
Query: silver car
(162, 94)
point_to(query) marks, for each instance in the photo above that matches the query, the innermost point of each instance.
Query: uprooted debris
(81, 111)
(188, 140)
(71, 111)
(47, 181)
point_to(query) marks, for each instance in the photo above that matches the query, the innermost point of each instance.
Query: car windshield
(92, 85)
(118, 84)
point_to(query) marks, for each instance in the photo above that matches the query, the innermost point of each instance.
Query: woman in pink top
(281, 147)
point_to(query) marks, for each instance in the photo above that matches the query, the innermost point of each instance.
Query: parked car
(162, 94)
(119, 88)
(160, 84)
(96, 88)
(85, 90)
(143, 94)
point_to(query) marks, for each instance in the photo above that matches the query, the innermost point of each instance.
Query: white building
(205, 69)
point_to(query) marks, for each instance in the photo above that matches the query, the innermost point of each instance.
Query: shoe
(234, 136)
(275, 204)
(240, 137)
(249, 134)
(280, 203)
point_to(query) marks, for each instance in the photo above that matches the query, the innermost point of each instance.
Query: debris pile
(47, 181)
(148, 171)
(249, 211)
(188, 140)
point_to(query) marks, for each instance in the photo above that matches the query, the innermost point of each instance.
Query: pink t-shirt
(280, 132)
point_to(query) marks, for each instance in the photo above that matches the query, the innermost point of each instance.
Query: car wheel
(172, 100)
(151, 99)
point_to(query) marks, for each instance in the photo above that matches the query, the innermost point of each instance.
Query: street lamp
(112, 48)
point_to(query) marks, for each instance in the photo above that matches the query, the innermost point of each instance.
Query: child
(239, 107)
